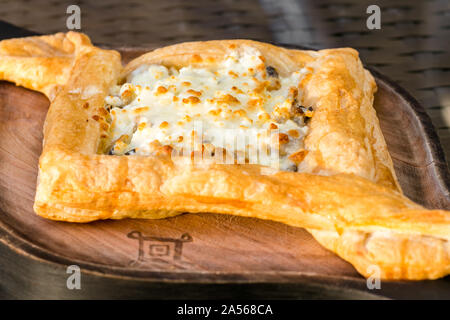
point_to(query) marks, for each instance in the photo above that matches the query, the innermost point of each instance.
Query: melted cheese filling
(158, 109)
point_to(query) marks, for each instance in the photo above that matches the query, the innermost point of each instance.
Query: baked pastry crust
(346, 194)
(41, 63)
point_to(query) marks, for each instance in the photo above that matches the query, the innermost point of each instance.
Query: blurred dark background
(412, 47)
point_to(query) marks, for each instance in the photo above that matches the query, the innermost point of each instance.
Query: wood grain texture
(196, 248)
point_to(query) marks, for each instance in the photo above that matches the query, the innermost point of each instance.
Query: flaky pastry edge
(347, 194)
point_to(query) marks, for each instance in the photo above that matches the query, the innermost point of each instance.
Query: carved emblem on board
(158, 249)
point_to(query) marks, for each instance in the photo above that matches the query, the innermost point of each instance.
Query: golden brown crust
(352, 208)
(345, 134)
(41, 63)
(398, 255)
(204, 54)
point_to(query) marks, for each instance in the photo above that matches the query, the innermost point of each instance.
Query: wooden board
(206, 255)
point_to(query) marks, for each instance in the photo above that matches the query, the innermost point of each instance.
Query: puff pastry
(345, 191)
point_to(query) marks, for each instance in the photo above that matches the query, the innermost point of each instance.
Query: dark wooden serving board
(193, 255)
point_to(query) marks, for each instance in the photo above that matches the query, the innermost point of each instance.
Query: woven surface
(412, 46)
